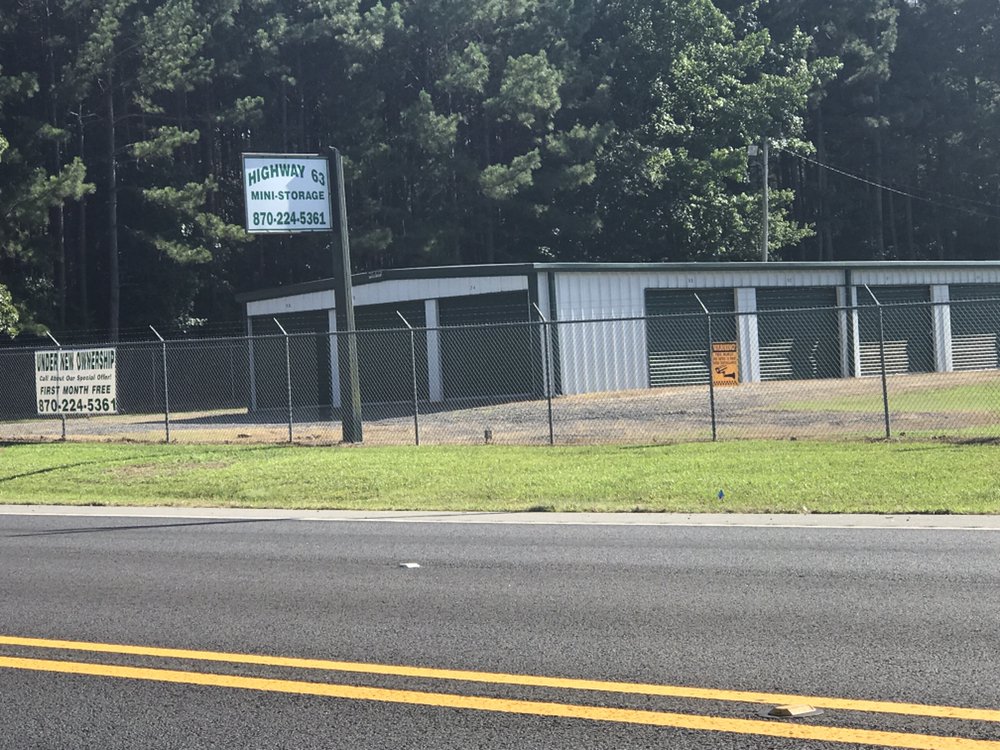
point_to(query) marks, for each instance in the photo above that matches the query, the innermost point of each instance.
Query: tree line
(490, 131)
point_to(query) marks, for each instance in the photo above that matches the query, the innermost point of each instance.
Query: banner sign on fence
(725, 363)
(287, 193)
(76, 381)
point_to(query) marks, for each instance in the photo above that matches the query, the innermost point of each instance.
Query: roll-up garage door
(309, 357)
(481, 360)
(799, 333)
(909, 343)
(677, 334)
(975, 326)
(385, 365)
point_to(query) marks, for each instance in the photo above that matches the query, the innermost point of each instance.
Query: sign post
(290, 194)
(347, 342)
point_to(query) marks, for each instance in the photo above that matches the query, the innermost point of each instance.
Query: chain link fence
(864, 371)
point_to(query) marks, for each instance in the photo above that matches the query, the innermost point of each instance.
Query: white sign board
(287, 193)
(76, 381)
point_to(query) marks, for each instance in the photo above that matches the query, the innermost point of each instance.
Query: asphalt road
(863, 614)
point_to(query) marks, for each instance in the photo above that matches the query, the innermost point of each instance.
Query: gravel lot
(774, 410)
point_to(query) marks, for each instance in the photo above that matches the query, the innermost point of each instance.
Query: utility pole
(754, 150)
(764, 200)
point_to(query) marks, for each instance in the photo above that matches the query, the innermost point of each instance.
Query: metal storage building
(629, 326)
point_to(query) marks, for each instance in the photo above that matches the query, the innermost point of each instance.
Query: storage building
(628, 326)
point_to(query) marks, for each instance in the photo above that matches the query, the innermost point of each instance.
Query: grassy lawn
(765, 476)
(959, 398)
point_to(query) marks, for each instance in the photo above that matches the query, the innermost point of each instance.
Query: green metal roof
(523, 269)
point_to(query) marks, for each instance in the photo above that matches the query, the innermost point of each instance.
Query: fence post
(711, 379)
(166, 387)
(288, 375)
(881, 361)
(547, 367)
(413, 373)
(62, 413)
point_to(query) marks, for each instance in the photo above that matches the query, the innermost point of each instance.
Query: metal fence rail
(873, 370)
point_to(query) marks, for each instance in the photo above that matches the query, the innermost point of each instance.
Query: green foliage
(482, 132)
(9, 316)
(434, 133)
(171, 39)
(197, 232)
(500, 181)
(529, 90)
(164, 142)
(466, 72)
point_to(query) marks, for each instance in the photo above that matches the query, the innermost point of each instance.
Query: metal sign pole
(350, 384)
(547, 362)
(166, 387)
(711, 375)
(413, 372)
(59, 382)
(288, 375)
(881, 361)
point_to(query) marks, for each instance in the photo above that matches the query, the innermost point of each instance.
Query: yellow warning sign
(725, 363)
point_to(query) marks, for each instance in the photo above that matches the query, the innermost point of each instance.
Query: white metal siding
(925, 276)
(601, 357)
(405, 290)
(292, 304)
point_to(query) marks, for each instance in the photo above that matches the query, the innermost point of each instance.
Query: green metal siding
(677, 332)
(486, 362)
(799, 333)
(909, 339)
(975, 326)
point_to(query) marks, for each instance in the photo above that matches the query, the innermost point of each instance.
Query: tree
(8, 313)
(33, 190)
(690, 89)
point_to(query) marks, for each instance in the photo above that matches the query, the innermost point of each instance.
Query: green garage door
(384, 354)
(909, 339)
(677, 334)
(481, 358)
(975, 326)
(799, 333)
(309, 357)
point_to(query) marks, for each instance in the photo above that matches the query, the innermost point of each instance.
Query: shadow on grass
(125, 460)
(50, 469)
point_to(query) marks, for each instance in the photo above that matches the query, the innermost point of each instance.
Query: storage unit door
(481, 357)
(799, 333)
(309, 357)
(908, 330)
(975, 326)
(677, 333)
(384, 353)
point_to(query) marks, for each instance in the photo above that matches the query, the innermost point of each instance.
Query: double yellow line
(533, 708)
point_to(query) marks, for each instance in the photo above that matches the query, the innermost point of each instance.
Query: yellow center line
(532, 708)
(495, 678)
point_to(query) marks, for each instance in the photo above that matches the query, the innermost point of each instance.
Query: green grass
(765, 476)
(959, 398)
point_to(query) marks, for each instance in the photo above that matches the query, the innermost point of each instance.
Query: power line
(904, 193)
